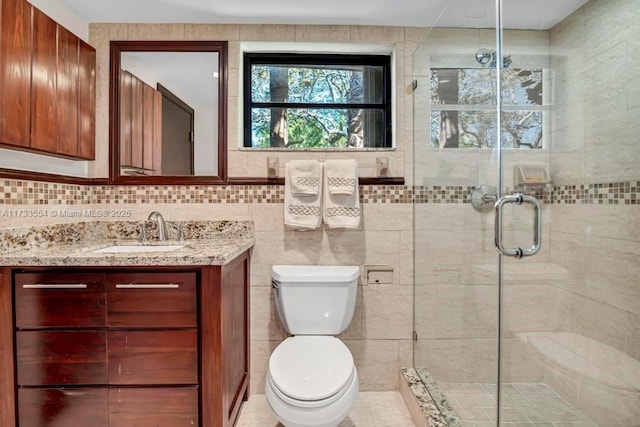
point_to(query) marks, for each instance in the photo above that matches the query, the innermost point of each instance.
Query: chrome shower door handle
(537, 225)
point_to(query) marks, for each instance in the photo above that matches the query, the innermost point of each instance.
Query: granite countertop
(194, 252)
(214, 243)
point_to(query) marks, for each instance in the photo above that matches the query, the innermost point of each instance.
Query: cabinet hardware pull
(54, 286)
(147, 286)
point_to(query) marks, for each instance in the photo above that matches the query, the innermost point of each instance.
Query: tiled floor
(372, 409)
(525, 404)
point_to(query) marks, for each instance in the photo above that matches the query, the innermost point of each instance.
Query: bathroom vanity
(123, 338)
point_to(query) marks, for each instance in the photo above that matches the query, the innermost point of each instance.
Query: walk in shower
(531, 109)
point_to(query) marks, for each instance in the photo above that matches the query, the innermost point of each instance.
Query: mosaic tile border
(18, 192)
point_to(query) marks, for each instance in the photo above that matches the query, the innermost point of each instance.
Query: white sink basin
(138, 248)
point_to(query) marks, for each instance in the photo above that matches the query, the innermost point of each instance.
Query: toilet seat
(311, 371)
(311, 404)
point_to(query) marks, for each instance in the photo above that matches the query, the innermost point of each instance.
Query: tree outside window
(317, 101)
(463, 108)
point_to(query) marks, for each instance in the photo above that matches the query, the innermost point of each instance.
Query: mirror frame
(116, 48)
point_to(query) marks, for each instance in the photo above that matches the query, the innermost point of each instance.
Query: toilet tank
(315, 300)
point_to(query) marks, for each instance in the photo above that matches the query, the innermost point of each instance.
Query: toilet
(312, 379)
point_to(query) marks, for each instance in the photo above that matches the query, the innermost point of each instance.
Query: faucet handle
(181, 231)
(143, 231)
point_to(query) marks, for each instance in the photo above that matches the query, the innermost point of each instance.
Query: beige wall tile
(458, 360)
(322, 33)
(362, 247)
(600, 322)
(265, 323)
(405, 353)
(212, 32)
(612, 272)
(387, 217)
(290, 247)
(260, 353)
(371, 34)
(234, 54)
(354, 331)
(155, 32)
(118, 31)
(268, 217)
(267, 32)
(467, 311)
(387, 313)
(426, 314)
(633, 335)
(406, 275)
(99, 35)
(527, 308)
(377, 363)
(519, 365)
(608, 405)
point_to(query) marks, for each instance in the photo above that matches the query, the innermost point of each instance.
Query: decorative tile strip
(17, 192)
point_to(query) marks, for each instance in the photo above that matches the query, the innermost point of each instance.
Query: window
(463, 108)
(320, 101)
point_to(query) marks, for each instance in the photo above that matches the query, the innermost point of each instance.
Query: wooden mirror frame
(116, 48)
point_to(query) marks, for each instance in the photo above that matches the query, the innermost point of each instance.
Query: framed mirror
(168, 112)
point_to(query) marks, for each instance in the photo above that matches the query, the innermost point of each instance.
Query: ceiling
(525, 14)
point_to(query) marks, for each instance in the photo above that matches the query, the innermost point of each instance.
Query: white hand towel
(341, 210)
(303, 212)
(342, 176)
(305, 177)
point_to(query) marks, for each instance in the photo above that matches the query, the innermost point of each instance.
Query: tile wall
(595, 55)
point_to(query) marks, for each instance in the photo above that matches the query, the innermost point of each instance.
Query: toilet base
(324, 416)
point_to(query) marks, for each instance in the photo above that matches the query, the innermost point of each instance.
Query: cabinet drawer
(153, 357)
(151, 300)
(49, 300)
(61, 357)
(153, 407)
(38, 407)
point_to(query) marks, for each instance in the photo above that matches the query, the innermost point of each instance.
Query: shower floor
(525, 404)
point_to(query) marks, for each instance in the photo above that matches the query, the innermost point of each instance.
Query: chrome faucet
(162, 227)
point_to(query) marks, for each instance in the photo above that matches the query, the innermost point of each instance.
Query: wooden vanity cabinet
(121, 347)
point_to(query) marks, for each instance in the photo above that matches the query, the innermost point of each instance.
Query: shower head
(488, 57)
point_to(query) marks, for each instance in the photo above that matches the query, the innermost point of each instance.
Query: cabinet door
(67, 93)
(44, 118)
(148, 126)
(125, 117)
(15, 71)
(59, 300)
(86, 101)
(151, 300)
(157, 133)
(153, 407)
(136, 122)
(46, 407)
(61, 357)
(153, 357)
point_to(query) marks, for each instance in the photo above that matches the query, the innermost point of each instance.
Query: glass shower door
(569, 348)
(455, 261)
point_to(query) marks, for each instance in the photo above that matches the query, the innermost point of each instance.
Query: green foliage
(321, 128)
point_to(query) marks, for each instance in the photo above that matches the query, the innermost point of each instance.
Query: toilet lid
(311, 367)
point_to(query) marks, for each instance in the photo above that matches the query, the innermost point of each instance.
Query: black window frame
(259, 58)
